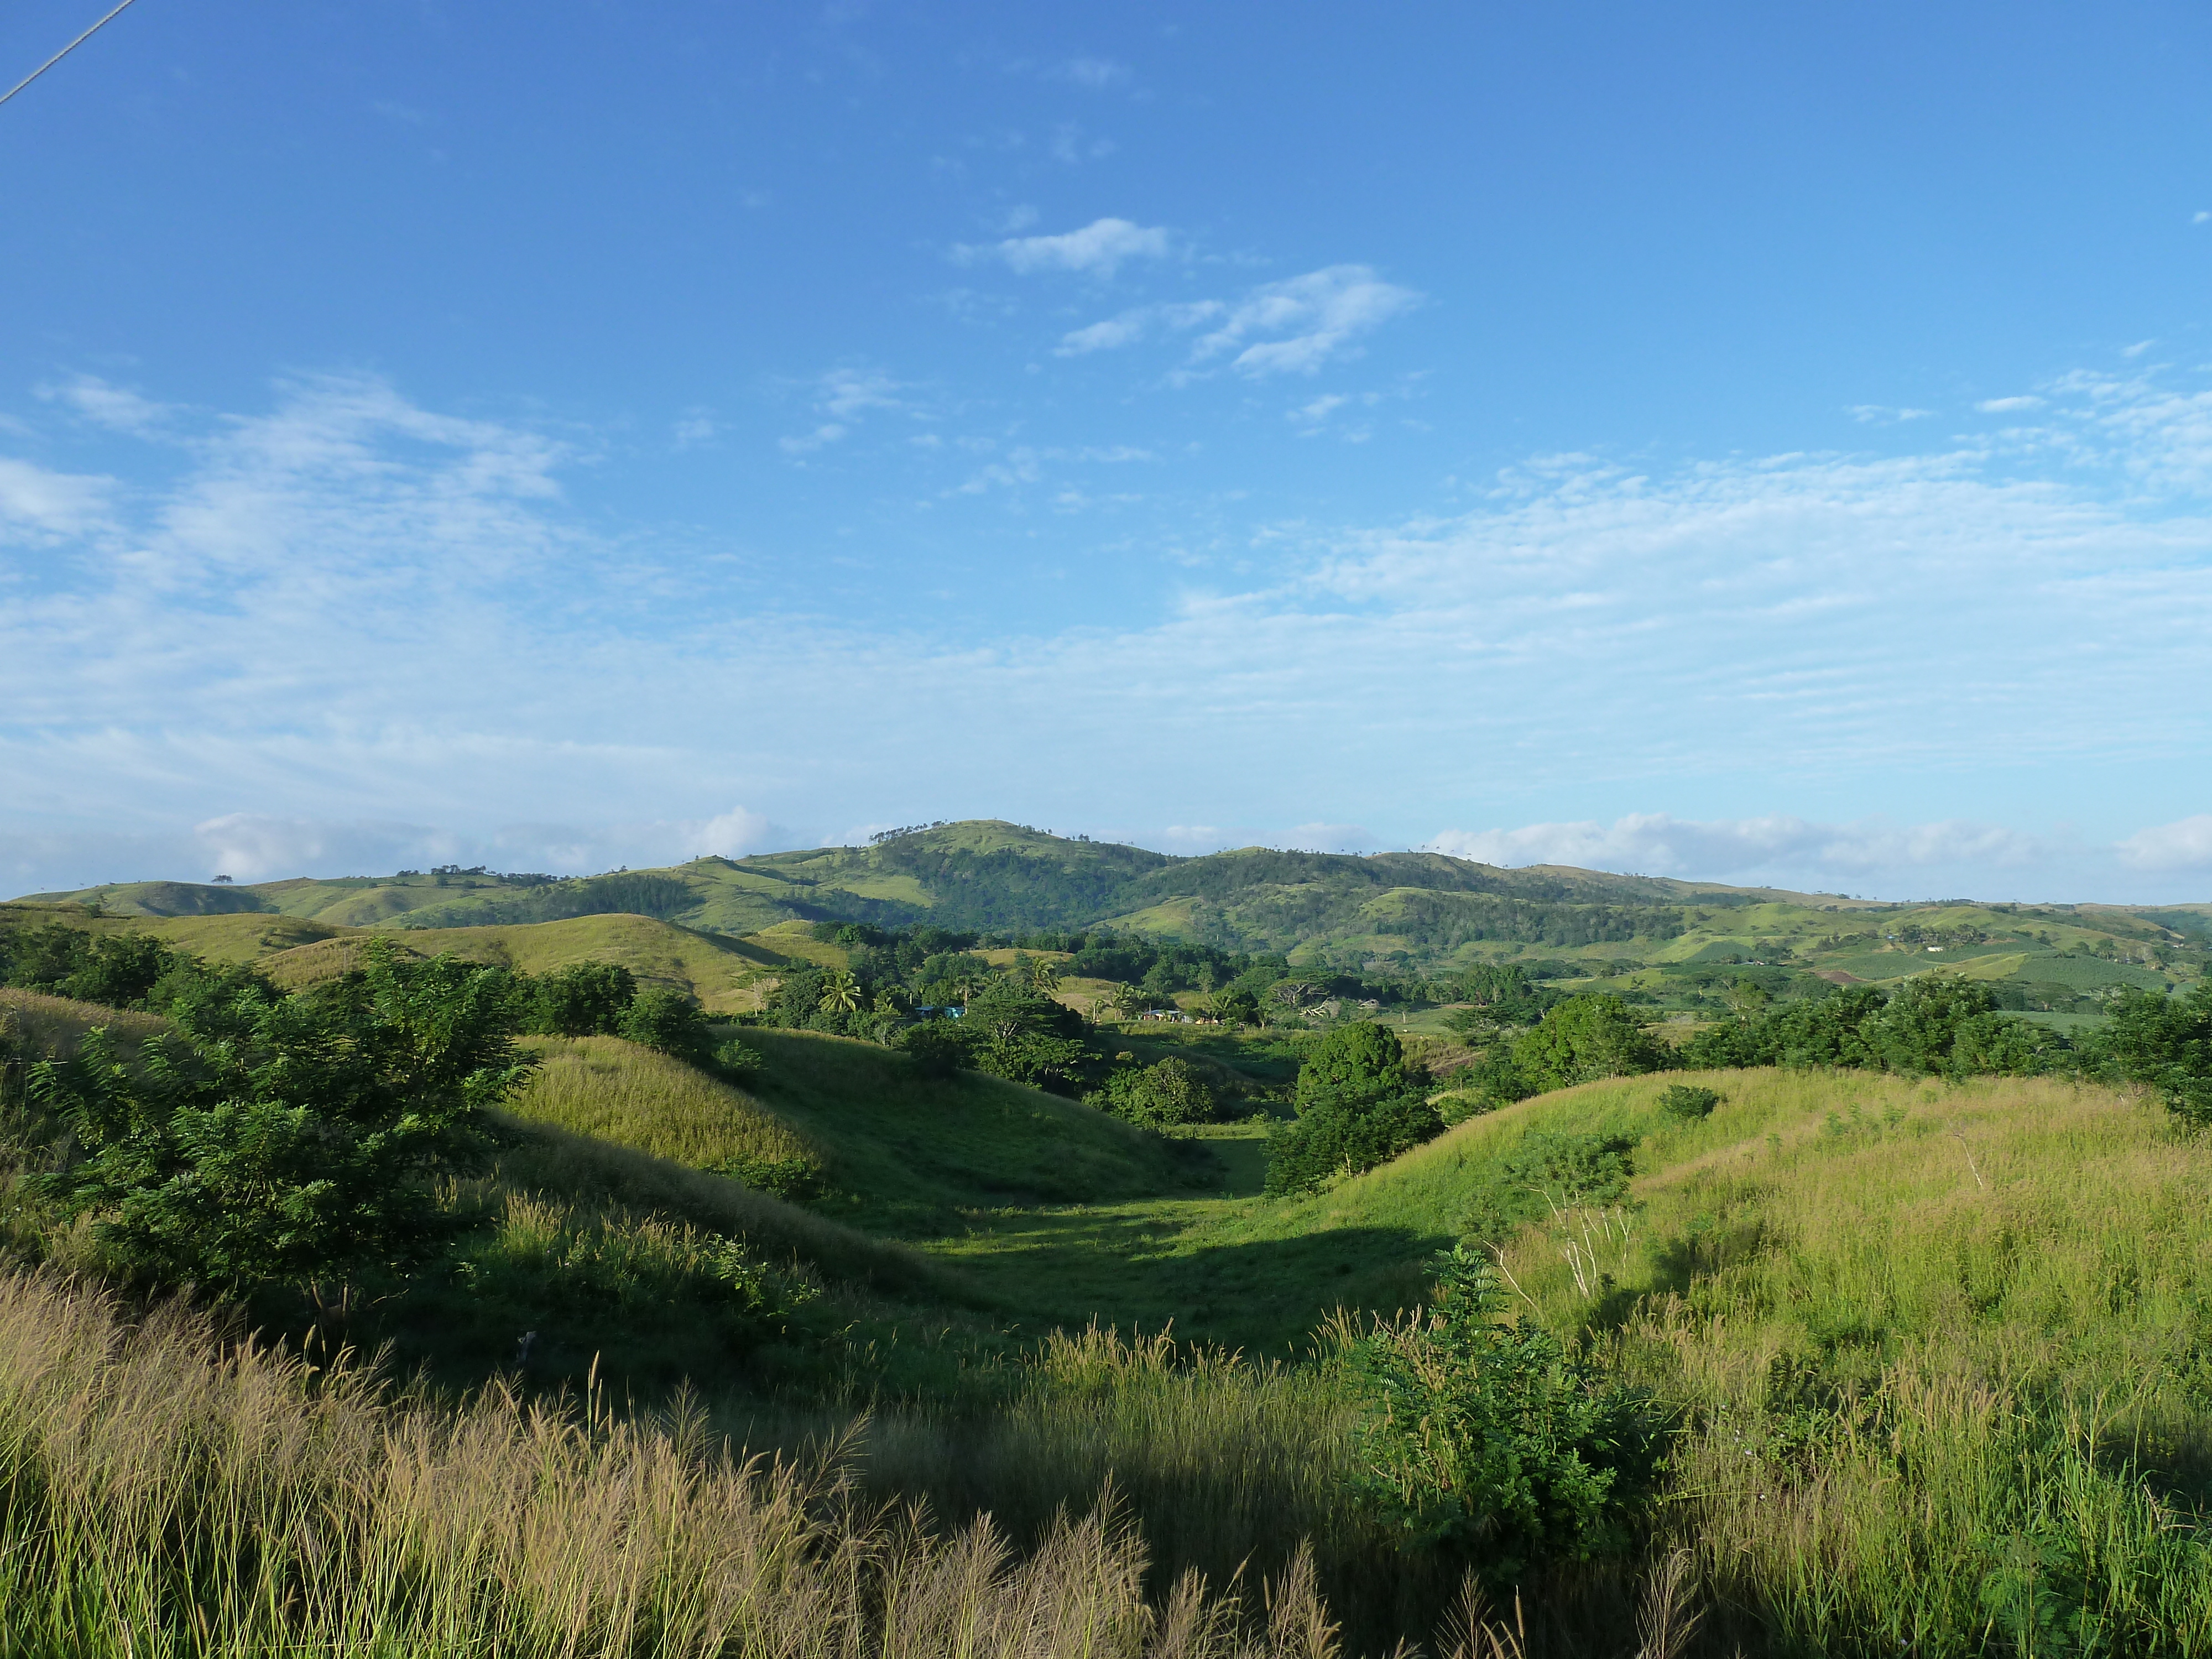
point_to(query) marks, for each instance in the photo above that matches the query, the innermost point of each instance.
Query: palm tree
(1043, 974)
(840, 992)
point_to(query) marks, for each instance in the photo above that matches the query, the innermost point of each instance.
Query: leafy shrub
(1492, 1081)
(1348, 1139)
(2164, 1042)
(571, 1277)
(1939, 1024)
(1361, 1059)
(1490, 1435)
(1688, 1102)
(1360, 1102)
(793, 1178)
(937, 1047)
(1019, 1034)
(1166, 1093)
(1545, 1173)
(292, 1136)
(739, 1061)
(586, 998)
(1584, 1038)
(114, 969)
(658, 1017)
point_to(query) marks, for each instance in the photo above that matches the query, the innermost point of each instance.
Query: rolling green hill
(1408, 913)
(1907, 1334)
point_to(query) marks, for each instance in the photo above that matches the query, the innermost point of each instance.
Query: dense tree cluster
(1361, 1101)
(1938, 1025)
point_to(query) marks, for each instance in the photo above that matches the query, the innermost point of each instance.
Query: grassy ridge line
(725, 973)
(613, 1091)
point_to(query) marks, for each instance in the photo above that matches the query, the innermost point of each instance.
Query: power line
(64, 52)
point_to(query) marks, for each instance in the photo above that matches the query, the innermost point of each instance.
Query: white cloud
(843, 396)
(1191, 840)
(1882, 415)
(807, 443)
(2201, 216)
(2137, 348)
(1654, 843)
(1070, 148)
(258, 847)
(2185, 847)
(117, 407)
(1296, 327)
(350, 610)
(38, 505)
(847, 391)
(1099, 249)
(695, 428)
(1109, 335)
(1288, 327)
(1330, 838)
(734, 834)
(2008, 405)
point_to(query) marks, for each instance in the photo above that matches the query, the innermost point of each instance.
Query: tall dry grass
(1222, 1463)
(1939, 1353)
(162, 1493)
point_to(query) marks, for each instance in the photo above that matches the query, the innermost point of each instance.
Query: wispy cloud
(348, 609)
(1882, 415)
(841, 397)
(2008, 405)
(1098, 249)
(2184, 846)
(1288, 327)
(1071, 146)
(1295, 326)
(117, 407)
(41, 506)
(1654, 843)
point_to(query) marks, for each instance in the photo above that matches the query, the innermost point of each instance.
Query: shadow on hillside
(1136, 1272)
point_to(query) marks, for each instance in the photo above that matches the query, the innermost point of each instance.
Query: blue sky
(1739, 442)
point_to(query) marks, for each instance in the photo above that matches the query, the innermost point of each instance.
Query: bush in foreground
(1487, 1434)
(286, 1138)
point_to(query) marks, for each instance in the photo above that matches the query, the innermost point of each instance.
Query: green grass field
(1934, 1356)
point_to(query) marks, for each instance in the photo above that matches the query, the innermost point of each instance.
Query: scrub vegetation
(937, 1289)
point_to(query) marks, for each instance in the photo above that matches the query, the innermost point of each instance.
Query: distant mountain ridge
(989, 876)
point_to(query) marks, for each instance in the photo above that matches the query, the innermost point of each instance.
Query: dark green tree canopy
(288, 1137)
(1585, 1038)
(1360, 1103)
(1359, 1061)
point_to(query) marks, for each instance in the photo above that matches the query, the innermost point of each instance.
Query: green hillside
(1407, 923)
(1904, 1335)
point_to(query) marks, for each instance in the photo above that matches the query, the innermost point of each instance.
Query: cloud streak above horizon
(348, 609)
